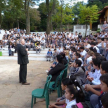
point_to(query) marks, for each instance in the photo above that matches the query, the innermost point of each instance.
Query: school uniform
(70, 103)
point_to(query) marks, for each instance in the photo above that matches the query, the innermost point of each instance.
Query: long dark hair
(80, 95)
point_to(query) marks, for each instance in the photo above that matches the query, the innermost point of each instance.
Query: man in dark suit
(23, 61)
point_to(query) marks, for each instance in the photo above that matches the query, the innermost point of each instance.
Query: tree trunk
(48, 24)
(27, 16)
(51, 24)
(61, 19)
(18, 23)
(86, 30)
(0, 19)
(49, 15)
(90, 26)
(27, 23)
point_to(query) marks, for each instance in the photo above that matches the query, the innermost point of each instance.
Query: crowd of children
(88, 65)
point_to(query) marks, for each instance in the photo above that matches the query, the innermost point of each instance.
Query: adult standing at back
(105, 27)
(23, 61)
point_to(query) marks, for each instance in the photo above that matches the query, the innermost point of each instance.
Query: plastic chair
(65, 73)
(56, 85)
(41, 93)
(66, 65)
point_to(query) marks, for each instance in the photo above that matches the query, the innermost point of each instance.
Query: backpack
(81, 105)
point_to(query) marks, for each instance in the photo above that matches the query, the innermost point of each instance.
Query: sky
(72, 1)
(65, 1)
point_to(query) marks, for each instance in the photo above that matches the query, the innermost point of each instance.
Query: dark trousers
(23, 73)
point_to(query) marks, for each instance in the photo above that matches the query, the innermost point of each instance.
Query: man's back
(22, 55)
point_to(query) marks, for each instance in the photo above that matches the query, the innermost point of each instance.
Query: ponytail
(80, 95)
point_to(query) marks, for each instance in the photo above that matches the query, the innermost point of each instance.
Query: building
(103, 15)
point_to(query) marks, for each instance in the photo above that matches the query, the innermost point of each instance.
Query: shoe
(25, 83)
(20, 82)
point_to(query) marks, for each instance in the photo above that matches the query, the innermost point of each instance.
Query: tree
(76, 11)
(34, 18)
(88, 15)
(43, 14)
(100, 3)
(26, 5)
(13, 12)
(2, 8)
(67, 16)
(50, 10)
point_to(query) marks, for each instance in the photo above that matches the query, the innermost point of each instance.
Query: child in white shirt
(70, 94)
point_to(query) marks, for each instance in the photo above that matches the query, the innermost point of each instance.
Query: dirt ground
(15, 95)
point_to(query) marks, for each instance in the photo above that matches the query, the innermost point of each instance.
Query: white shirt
(42, 41)
(75, 36)
(83, 53)
(89, 59)
(97, 49)
(72, 36)
(81, 61)
(70, 103)
(67, 46)
(99, 45)
(59, 50)
(88, 46)
(97, 76)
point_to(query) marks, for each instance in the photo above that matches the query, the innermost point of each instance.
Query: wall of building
(81, 29)
(106, 15)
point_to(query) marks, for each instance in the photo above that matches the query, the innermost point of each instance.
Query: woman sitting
(55, 71)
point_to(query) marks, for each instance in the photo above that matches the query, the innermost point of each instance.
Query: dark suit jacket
(17, 47)
(56, 71)
(22, 55)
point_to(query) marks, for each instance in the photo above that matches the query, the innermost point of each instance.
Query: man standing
(105, 27)
(23, 61)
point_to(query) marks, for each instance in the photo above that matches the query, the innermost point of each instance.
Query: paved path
(15, 95)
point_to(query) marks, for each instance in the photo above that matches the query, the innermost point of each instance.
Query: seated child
(70, 94)
(95, 99)
(64, 84)
(94, 77)
(79, 71)
(54, 55)
(38, 48)
(49, 55)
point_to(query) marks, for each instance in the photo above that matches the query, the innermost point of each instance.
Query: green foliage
(43, 14)
(76, 8)
(88, 14)
(100, 3)
(65, 12)
(14, 11)
(35, 19)
(34, 14)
